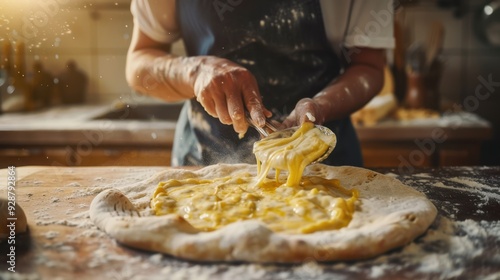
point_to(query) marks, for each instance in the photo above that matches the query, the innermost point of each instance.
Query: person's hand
(306, 110)
(226, 90)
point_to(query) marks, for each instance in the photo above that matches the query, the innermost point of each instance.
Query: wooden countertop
(463, 242)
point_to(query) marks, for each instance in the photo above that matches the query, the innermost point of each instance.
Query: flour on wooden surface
(441, 252)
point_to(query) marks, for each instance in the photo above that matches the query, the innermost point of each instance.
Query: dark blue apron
(283, 44)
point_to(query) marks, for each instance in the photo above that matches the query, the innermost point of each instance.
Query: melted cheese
(301, 205)
(316, 204)
(292, 153)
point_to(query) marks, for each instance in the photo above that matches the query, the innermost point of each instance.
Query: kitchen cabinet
(453, 140)
(72, 156)
(89, 135)
(408, 154)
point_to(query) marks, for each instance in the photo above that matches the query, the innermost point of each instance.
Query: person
(287, 60)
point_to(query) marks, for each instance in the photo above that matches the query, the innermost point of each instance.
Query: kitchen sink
(143, 112)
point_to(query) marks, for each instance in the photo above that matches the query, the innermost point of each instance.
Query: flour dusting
(450, 248)
(442, 252)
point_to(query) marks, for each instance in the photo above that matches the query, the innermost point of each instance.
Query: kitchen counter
(89, 135)
(463, 242)
(72, 125)
(67, 124)
(450, 140)
(142, 134)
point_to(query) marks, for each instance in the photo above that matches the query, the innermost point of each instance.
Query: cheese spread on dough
(314, 205)
(301, 205)
(292, 153)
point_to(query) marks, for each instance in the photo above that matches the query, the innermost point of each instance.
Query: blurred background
(95, 34)
(65, 100)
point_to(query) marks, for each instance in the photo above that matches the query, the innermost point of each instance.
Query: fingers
(235, 106)
(253, 103)
(306, 110)
(290, 120)
(226, 90)
(203, 89)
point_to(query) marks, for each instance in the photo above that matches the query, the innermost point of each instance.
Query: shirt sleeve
(359, 23)
(156, 18)
(371, 25)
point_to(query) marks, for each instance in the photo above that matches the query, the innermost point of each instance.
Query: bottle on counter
(42, 85)
(5, 72)
(416, 91)
(432, 80)
(19, 90)
(72, 84)
(20, 77)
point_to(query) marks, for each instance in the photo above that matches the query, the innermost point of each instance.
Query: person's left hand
(306, 110)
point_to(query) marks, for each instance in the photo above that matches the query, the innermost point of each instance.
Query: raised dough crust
(21, 223)
(390, 215)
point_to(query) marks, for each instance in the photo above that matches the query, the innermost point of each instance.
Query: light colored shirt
(348, 23)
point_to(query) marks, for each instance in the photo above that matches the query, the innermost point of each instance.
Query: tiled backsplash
(95, 34)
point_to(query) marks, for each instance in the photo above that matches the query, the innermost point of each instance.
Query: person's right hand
(226, 90)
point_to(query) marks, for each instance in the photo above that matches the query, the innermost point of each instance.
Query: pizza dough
(18, 220)
(389, 215)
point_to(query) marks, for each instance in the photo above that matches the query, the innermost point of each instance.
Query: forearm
(160, 74)
(350, 92)
(361, 81)
(224, 89)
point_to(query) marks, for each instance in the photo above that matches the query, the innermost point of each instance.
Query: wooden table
(463, 242)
